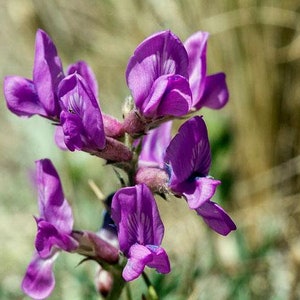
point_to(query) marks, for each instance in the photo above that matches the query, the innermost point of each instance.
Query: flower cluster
(167, 80)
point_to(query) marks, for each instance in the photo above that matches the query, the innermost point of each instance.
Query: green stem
(151, 290)
(118, 284)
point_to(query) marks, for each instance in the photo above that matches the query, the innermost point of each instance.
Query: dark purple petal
(53, 207)
(83, 69)
(189, 152)
(160, 54)
(216, 93)
(139, 256)
(198, 191)
(39, 280)
(136, 215)
(160, 260)
(21, 97)
(216, 218)
(195, 46)
(48, 237)
(154, 146)
(47, 72)
(84, 115)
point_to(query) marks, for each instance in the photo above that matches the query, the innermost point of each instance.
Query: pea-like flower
(140, 230)
(209, 91)
(54, 232)
(188, 158)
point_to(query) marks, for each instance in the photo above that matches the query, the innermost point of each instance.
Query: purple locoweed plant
(168, 80)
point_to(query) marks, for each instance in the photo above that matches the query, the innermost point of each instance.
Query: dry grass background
(255, 141)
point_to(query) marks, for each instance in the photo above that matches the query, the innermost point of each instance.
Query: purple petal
(160, 260)
(195, 46)
(39, 280)
(160, 54)
(136, 215)
(189, 152)
(78, 101)
(83, 69)
(139, 256)
(216, 93)
(21, 97)
(216, 218)
(59, 138)
(53, 207)
(72, 130)
(170, 96)
(154, 146)
(48, 237)
(47, 72)
(198, 191)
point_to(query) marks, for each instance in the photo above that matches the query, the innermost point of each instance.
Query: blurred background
(255, 143)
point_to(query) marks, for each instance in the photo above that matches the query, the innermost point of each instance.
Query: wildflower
(157, 75)
(54, 232)
(188, 158)
(27, 97)
(210, 91)
(140, 231)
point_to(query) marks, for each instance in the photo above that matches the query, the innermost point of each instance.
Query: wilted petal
(53, 207)
(195, 46)
(47, 72)
(198, 191)
(189, 152)
(139, 256)
(160, 54)
(216, 93)
(21, 97)
(81, 109)
(48, 237)
(154, 146)
(216, 218)
(83, 69)
(136, 215)
(39, 280)
(160, 260)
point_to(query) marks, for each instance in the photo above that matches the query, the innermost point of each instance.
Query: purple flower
(81, 118)
(210, 91)
(154, 146)
(54, 232)
(140, 231)
(27, 97)
(157, 75)
(188, 157)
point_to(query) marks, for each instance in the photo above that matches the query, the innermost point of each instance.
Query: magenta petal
(216, 93)
(195, 46)
(216, 218)
(47, 72)
(83, 69)
(21, 97)
(81, 109)
(189, 152)
(154, 146)
(160, 54)
(49, 237)
(199, 191)
(53, 207)
(139, 256)
(136, 215)
(39, 280)
(160, 260)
